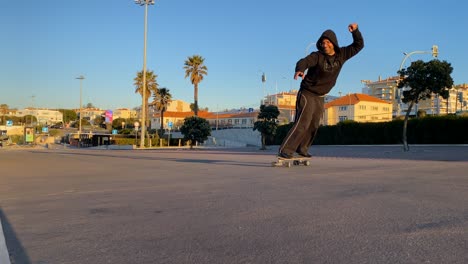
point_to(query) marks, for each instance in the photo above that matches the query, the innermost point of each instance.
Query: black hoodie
(323, 70)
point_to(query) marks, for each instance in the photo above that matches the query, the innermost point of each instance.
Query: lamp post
(434, 52)
(308, 47)
(143, 94)
(81, 78)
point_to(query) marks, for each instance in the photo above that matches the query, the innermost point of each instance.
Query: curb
(4, 256)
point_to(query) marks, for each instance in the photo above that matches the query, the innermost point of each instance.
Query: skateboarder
(323, 67)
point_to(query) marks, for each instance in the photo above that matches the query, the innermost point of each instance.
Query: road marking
(4, 256)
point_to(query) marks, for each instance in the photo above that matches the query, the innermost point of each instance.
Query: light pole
(143, 94)
(81, 78)
(263, 84)
(434, 52)
(308, 47)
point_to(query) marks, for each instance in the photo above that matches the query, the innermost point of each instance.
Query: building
(43, 116)
(286, 103)
(386, 89)
(217, 120)
(90, 113)
(357, 107)
(383, 89)
(461, 104)
(125, 113)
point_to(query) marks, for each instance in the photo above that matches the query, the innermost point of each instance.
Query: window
(374, 108)
(342, 118)
(343, 108)
(362, 107)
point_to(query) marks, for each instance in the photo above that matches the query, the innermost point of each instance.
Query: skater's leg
(299, 131)
(317, 109)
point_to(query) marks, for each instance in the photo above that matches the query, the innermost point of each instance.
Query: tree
(98, 120)
(195, 68)
(423, 79)
(3, 111)
(266, 123)
(68, 115)
(84, 122)
(161, 100)
(151, 87)
(195, 129)
(89, 105)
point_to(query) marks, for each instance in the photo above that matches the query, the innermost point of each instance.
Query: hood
(328, 34)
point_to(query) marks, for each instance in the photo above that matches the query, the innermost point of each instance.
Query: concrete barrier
(236, 137)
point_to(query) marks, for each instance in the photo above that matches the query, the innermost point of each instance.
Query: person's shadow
(16, 251)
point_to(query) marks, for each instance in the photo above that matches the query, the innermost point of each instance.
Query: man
(323, 67)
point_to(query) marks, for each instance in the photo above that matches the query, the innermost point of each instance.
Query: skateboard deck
(295, 161)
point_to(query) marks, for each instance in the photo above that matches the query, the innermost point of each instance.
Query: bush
(427, 130)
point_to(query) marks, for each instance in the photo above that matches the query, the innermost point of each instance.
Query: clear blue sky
(46, 44)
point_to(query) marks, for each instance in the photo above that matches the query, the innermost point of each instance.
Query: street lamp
(263, 84)
(81, 78)
(143, 95)
(308, 47)
(434, 52)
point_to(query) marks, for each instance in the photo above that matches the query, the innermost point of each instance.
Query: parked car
(59, 125)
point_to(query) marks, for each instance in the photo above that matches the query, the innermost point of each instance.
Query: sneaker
(285, 155)
(305, 154)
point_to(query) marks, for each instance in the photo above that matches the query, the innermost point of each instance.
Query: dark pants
(309, 111)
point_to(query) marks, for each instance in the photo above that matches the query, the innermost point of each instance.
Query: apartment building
(90, 113)
(218, 120)
(125, 113)
(386, 89)
(43, 116)
(357, 107)
(286, 103)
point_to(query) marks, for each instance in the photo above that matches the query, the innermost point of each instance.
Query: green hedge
(155, 142)
(427, 130)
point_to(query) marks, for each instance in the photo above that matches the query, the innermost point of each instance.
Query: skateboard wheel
(288, 164)
(307, 163)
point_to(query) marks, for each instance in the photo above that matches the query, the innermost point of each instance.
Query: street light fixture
(143, 94)
(81, 78)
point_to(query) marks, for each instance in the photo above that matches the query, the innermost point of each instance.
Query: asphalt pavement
(353, 204)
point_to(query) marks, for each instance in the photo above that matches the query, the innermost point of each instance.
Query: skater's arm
(305, 63)
(358, 42)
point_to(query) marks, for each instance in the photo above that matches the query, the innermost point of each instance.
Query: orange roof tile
(206, 115)
(352, 99)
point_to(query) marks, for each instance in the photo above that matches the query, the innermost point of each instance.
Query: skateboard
(295, 161)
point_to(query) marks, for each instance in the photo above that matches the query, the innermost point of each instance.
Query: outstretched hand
(352, 27)
(298, 74)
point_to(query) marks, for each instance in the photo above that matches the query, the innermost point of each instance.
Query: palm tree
(161, 100)
(3, 110)
(196, 70)
(151, 86)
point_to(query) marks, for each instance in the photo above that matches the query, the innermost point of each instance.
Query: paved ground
(361, 204)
